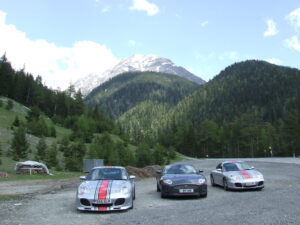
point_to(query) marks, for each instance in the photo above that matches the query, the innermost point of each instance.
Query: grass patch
(55, 176)
(10, 197)
(179, 157)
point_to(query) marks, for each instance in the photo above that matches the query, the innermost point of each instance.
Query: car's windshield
(180, 169)
(107, 174)
(236, 166)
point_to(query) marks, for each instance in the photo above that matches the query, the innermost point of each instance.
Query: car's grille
(102, 205)
(186, 186)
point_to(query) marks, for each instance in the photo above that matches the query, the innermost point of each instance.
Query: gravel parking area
(277, 204)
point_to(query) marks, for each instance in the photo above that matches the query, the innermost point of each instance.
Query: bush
(9, 104)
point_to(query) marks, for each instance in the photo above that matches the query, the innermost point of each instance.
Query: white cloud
(132, 42)
(105, 9)
(144, 5)
(293, 43)
(272, 29)
(231, 55)
(58, 66)
(204, 23)
(274, 61)
(294, 18)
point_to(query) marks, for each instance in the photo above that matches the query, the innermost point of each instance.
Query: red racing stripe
(103, 193)
(245, 174)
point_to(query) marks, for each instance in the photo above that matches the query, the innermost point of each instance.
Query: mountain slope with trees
(245, 111)
(56, 127)
(128, 90)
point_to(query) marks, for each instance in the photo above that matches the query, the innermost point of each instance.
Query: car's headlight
(235, 177)
(259, 176)
(83, 189)
(201, 181)
(125, 190)
(168, 181)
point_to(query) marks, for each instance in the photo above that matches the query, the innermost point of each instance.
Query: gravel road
(277, 204)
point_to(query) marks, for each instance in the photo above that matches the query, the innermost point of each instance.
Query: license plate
(105, 201)
(186, 190)
(250, 184)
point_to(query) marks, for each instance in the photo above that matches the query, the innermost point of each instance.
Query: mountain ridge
(135, 63)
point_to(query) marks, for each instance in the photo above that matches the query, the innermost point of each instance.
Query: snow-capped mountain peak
(135, 63)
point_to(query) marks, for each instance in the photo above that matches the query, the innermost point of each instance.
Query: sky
(64, 40)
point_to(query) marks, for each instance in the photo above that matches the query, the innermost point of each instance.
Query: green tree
(16, 122)
(19, 144)
(143, 155)
(158, 155)
(51, 156)
(9, 104)
(41, 149)
(74, 155)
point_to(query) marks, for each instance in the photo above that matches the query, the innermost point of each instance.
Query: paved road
(277, 204)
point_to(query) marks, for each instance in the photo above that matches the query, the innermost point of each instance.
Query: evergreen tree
(143, 155)
(19, 145)
(9, 104)
(51, 156)
(158, 155)
(41, 149)
(16, 122)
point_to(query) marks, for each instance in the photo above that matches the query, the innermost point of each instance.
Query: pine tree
(51, 156)
(41, 149)
(19, 145)
(9, 104)
(16, 122)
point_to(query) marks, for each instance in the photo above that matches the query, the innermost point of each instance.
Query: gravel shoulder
(277, 204)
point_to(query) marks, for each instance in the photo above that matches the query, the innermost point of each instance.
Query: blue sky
(63, 40)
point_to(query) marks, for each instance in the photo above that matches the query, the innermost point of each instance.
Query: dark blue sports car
(181, 179)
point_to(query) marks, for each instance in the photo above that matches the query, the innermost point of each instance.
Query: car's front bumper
(118, 203)
(246, 184)
(198, 190)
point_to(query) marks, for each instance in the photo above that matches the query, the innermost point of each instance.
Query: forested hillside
(56, 127)
(128, 90)
(248, 110)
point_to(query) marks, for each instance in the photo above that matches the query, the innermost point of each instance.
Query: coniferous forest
(250, 109)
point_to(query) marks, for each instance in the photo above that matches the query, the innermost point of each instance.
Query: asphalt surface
(277, 204)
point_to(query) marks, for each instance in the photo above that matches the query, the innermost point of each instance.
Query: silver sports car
(106, 188)
(236, 175)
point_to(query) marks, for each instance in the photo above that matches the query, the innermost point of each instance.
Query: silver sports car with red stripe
(236, 175)
(106, 188)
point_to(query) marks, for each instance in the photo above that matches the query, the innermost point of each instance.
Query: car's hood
(244, 174)
(107, 186)
(183, 178)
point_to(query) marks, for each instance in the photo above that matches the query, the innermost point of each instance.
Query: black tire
(225, 184)
(157, 187)
(212, 181)
(131, 204)
(203, 195)
(133, 194)
(162, 194)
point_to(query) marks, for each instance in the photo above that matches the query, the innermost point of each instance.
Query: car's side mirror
(158, 172)
(82, 177)
(200, 171)
(219, 170)
(131, 177)
(252, 167)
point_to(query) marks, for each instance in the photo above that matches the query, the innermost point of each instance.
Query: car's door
(218, 174)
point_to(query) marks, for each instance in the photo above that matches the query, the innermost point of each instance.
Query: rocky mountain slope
(139, 63)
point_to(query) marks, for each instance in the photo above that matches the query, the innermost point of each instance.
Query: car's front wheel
(157, 187)
(212, 181)
(162, 194)
(225, 184)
